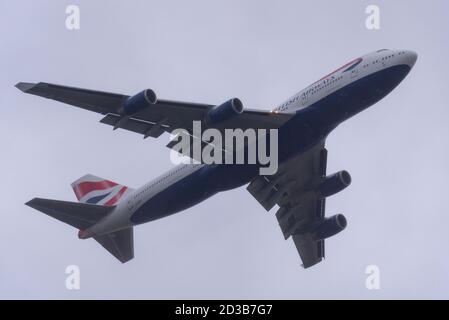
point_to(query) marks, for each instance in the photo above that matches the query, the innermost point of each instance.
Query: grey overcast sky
(209, 51)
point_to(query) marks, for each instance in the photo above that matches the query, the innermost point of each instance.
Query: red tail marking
(84, 188)
(116, 198)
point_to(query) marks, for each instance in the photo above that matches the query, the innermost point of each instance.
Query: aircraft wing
(293, 189)
(163, 116)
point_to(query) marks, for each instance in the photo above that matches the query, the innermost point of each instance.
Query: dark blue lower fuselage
(307, 128)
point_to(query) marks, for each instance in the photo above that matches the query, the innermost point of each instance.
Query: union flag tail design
(94, 190)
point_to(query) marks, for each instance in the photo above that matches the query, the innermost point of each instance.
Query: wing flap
(137, 125)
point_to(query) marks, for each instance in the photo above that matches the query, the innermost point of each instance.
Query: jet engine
(137, 103)
(330, 227)
(335, 183)
(224, 112)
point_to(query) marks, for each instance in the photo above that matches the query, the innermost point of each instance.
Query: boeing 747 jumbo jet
(108, 211)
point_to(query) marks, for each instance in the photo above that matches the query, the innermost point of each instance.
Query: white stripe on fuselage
(154, 187)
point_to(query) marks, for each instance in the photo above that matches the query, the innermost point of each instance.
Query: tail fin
(94, 190)
(83, 216)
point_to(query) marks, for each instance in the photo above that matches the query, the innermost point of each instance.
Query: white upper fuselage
(345, 75)
(361, 67)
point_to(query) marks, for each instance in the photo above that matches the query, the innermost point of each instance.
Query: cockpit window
(382, 50)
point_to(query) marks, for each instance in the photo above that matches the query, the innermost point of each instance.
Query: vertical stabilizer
(95, 190)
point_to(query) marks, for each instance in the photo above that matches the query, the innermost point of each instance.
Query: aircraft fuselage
(318, 109)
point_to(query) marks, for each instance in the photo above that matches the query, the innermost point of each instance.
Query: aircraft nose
(411, 58)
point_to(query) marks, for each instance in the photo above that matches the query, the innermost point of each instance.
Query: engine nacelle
(137, 103)
(224, 112)
(330, 227)
(335, 183)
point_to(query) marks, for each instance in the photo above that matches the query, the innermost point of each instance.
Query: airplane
(107, 211)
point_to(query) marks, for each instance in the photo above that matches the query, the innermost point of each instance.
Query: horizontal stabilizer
(120, 244)
(78, 215)
(82, 216)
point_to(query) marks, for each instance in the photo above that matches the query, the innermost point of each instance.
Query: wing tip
(31, 203)
(309, 264)
(126, 260)
(25, 86)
